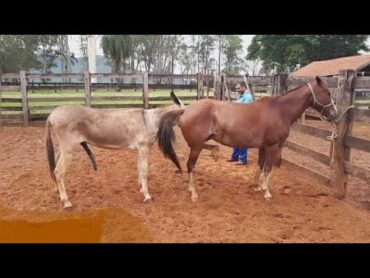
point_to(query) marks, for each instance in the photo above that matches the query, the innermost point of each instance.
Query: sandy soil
(227, 209)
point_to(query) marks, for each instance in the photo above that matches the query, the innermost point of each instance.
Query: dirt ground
(227, 210)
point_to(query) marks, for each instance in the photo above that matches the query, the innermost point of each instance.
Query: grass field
(37, 107)
(97, 93)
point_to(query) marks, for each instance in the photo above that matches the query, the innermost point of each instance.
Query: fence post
(87, 89)
(22, 76)
(215, 86)
(207, 84)
(245, 79)
(340, 152)
(221, 86)
(279, 83)
(200, 92)
(0, 101)
(145, 90)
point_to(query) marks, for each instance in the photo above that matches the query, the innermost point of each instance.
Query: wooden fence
(342, 88)
(25, 108)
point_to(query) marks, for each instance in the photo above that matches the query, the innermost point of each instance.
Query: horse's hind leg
(193, 157)
(65, 157)
(143, 153)
(215, 149)
(259, 167)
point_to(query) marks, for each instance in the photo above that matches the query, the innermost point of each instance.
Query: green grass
(100, 93)
(97, 93)
(364, 102)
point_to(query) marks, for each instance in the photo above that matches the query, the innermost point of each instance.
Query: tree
(206, 45)
(281, 53)
(186, 58)
(146, 50)
(232, 49)
(18, 52)
(117, 48)
(83, 49)
(47, 51)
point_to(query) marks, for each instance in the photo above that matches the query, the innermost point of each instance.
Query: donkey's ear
(318, 80)
(176, 100)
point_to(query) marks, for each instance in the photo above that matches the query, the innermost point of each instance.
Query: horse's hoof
(67, 205)
(257, 189)
(194, 198)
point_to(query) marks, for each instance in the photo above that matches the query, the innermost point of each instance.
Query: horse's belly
(245, 139)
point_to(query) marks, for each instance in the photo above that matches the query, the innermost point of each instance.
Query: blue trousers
(240, 154)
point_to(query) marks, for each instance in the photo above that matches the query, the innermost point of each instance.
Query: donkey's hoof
(257, 189)
(267, 197)
(148, 200)
(67, 205)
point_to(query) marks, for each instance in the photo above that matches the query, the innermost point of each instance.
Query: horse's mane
(274, 99)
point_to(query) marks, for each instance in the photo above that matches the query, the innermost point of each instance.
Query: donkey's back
(112, 129)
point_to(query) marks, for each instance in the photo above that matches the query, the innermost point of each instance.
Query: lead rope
(334, 133)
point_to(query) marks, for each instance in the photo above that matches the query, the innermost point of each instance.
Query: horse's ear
(176, 100)
(318, 80)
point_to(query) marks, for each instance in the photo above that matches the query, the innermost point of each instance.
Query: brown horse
(263, 124)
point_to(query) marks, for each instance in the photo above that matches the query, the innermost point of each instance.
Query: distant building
(358, 63)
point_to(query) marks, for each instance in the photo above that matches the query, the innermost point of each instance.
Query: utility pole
(91, 54)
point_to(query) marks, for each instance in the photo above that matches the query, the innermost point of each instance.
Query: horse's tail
(50, 150)
(166, 135)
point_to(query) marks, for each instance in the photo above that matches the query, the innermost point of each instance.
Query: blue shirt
(245, 98)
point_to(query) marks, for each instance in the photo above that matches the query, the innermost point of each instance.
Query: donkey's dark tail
(166, 135)
(50, 150)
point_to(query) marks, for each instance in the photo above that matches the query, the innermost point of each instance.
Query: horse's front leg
(193, 157)
(271, 155)
(143, 154)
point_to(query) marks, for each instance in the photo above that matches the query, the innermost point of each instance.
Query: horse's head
(322, 100)
(176, 100)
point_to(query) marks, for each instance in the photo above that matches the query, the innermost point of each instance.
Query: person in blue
(244, 96)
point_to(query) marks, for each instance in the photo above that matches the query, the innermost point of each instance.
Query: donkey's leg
(143, 153)
(215, 149)
(64, 160)
(140, 178)
(272, 152)
(56, 163)
(193, 157)
(259, 167)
